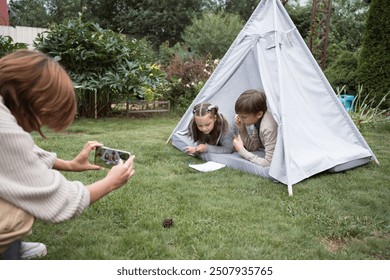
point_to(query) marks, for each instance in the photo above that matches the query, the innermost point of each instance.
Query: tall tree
(300, 15)
(157, 21)
(242, 8)
(103, 12)
(374, 61)
(213, 33)
(41, 13)
(348, 23)
(29, 13)
(61, 10)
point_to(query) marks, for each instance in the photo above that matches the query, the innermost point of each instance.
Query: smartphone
(108, 157)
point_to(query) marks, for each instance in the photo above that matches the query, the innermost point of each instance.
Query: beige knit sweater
(27, 179)
(264, 138)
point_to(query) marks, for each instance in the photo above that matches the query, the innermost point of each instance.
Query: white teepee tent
(315, 132)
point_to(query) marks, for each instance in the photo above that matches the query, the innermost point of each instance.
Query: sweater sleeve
(226, 144)
(254, 158)
(268, 135)
(47, 158)
(27, 181)
(267, 140)
(251, 141)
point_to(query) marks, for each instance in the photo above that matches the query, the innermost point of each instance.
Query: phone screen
(108, 157)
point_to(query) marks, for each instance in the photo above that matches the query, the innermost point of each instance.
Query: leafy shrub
(213, 33)
(365, 109)
(187, 78)
(342, 72)
(8, 45)
(374, 61)
(166, 53)
(105, 66)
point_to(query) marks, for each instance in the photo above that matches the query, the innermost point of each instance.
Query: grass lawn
(226, 214)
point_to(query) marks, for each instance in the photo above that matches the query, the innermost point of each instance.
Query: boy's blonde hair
(37, 91)
(251, 101)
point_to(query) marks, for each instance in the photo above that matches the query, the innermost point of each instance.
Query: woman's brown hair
(37, 90)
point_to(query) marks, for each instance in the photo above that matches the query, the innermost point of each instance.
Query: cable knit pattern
(27, 180)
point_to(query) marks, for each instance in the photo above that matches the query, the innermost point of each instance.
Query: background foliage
(213, 34)
(342, 71)
(156, 21)
(374, 61)
(8, 45)
(202, 28)
(187, 77)
(105, 66)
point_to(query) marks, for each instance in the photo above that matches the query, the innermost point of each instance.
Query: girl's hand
(201, 148)
(190, 150)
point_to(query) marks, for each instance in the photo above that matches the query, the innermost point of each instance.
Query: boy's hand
(238, 122)
(237, 143)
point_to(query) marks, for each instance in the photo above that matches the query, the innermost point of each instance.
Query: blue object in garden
(347, 101)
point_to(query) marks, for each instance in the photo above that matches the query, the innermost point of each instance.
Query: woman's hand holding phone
(121, 173)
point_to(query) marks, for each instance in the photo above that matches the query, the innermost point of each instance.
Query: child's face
(249, 119)
(205, 123)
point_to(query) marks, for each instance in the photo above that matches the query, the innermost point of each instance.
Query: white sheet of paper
(207, 166)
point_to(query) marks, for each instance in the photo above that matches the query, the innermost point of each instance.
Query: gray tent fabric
(315, 132)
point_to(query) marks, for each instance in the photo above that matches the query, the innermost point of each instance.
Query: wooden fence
(142, 107)
(21, 34)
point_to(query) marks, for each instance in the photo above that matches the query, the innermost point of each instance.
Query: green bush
(105, 66)
(374, 61)
(187, 78)
(8, 45)
(365, 110)
(342, 72)
(213, 33)
(166, 53)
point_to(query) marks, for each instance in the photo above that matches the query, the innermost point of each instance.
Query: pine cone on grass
(167, 223)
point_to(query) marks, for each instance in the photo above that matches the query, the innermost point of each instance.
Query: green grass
(226, 214)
